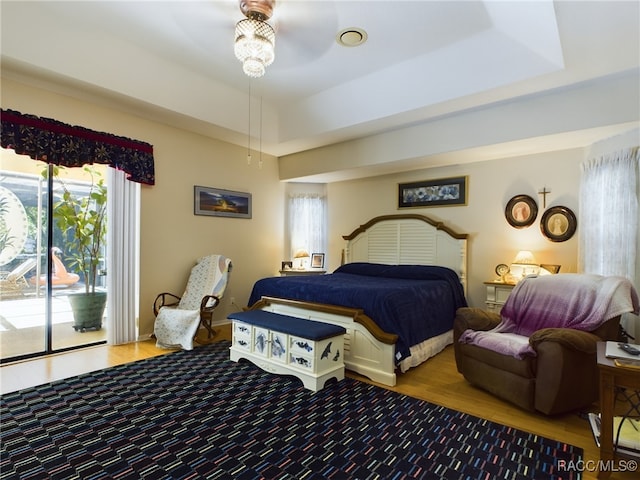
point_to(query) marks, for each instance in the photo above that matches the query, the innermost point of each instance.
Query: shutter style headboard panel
(408, 239)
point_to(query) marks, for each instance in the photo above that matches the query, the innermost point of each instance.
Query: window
(132, 162)
(307, 222)
(609, 233)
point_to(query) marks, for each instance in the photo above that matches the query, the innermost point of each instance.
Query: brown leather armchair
(562, 377)
(559, 371)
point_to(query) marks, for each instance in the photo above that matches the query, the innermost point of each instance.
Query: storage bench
(312, 351)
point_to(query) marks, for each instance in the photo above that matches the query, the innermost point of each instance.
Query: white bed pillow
(176, 328)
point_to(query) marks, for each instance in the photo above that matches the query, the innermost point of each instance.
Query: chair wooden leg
(205, 321)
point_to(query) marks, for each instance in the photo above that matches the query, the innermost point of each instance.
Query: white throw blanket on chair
(176, 327)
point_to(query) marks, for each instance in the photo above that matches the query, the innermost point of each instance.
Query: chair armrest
(161, 301)
(566, 369)
(209, 302)
(574, 339)
(474, 319)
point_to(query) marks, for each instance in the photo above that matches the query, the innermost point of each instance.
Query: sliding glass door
(40, 267)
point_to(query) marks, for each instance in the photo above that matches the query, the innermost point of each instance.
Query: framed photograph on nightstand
(551, 268)
(317, 260)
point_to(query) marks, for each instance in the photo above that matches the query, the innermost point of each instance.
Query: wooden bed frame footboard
(368, 350)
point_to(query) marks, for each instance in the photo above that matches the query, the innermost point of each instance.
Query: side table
(294, 272)
(611, 377)
(496, 295)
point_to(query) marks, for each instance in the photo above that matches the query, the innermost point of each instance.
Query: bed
(401, 280)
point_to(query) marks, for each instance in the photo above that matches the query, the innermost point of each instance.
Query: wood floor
(436, 381)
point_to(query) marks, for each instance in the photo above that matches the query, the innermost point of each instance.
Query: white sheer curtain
(122, 257)
(608, 239)
(307, 222)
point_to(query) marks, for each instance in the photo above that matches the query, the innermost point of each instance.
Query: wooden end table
(496, 295)
(611, 378)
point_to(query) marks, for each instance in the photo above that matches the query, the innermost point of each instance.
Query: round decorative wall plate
(521, 211)
(558, 224)
(502, 269)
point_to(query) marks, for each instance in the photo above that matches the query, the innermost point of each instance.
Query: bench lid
(309, 329)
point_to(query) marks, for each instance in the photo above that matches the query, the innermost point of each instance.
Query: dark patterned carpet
(197, 415)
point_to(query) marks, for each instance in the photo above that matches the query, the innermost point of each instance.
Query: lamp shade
(524, 264)
(525, 257)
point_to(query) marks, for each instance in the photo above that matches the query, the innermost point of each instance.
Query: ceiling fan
(302, 31)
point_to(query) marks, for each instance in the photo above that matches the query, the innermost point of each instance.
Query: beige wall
(171, 236)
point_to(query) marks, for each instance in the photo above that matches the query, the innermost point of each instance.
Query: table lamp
(301, 254)
(524, 264)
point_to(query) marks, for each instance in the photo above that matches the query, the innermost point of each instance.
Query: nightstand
(497, 293)
(294, 272)
(615, 382)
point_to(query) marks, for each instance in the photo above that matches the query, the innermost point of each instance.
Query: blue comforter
(415, 302)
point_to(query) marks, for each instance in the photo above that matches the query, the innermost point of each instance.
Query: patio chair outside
(14, 283)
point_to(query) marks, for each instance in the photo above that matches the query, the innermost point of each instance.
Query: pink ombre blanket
(570, 300)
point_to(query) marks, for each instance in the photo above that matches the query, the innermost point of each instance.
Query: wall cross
(544, 193)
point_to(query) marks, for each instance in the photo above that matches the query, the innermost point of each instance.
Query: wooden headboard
(408, 239)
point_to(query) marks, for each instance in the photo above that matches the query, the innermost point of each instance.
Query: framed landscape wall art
(433, 193)
(217, 202)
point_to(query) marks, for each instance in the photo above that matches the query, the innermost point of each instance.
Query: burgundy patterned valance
(71, 146)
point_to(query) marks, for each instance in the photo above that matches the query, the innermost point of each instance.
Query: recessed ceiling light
(351, 37)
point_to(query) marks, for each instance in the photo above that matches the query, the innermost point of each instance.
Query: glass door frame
(49, 340)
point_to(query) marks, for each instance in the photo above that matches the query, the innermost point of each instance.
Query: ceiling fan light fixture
(253, 68)
(254, 41)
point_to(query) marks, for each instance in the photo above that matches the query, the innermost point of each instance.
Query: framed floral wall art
(433, 193)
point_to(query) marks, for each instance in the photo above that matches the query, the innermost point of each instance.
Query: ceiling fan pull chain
(249, 129)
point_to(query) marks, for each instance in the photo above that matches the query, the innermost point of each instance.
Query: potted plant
(83, 218)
